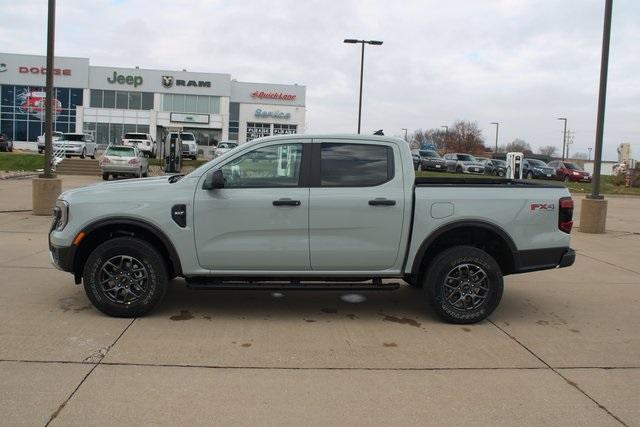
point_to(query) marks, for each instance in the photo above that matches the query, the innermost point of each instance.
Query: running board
(290, 286)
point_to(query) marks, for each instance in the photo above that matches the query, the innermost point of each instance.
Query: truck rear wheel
(463, 284)
(125, 277)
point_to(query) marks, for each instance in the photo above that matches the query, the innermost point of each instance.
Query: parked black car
(6, 144)
(495, 167)
(432, 161)
(534, 168)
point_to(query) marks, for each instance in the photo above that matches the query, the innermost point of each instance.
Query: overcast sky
(522, 63)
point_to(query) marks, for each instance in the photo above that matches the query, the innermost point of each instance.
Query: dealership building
(110, 101)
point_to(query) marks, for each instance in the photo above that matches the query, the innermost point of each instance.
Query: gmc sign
(43, 71)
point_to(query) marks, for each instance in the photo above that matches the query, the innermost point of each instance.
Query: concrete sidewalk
(562, 348)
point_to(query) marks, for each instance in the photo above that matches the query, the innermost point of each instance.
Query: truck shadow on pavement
(405, 305)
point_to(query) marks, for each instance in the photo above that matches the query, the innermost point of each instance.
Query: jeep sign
(122, 79)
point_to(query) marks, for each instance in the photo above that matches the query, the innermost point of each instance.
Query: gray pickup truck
(310, 212)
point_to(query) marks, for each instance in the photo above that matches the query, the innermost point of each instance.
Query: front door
(357, 207)
(259, 220)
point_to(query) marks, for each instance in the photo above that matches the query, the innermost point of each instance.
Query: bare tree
(548, 150)
(465, 137)
(580, 156)
(519, 145)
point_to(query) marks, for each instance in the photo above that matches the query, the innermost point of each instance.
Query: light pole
(497, 128)
(48, 110)
(564, 135)
(362, 42)
(602, 99)
(593, 212)
(46, 187)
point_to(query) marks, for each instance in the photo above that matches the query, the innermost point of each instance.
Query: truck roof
(352, 136)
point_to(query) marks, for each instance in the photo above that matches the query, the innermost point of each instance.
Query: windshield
(466, 158)
(71, 137)
(120, 152)
(429, 153)
(187, 137)
(573, 166)
(538, 163)
(135, 136)
(499, 162)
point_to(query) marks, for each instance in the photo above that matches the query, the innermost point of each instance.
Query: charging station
(514, 165)
(173, 150)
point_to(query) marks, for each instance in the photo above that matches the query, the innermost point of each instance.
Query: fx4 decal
(543, 206)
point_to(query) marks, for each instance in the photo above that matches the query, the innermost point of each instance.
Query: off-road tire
(147, 256)
(435, 289)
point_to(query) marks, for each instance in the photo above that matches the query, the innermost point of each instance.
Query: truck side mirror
(213, 180)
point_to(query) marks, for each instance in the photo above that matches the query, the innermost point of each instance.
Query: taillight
(134, 161)
(565, 215)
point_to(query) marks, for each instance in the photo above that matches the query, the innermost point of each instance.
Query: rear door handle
(286, 202)
(382, 202)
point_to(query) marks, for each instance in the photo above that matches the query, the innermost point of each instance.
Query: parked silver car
(121, 160)
(463, 163)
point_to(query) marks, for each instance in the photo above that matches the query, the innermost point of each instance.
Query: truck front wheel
(125, 277)
(463, 284)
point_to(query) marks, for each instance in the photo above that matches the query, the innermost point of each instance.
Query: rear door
(356, 205)
(260, 219)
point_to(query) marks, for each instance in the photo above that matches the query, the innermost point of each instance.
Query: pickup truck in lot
(310, 212)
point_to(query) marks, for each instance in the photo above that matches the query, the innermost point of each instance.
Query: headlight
(61, 211)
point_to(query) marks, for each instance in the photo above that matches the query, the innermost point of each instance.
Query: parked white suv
(55, 135)
(75, 144)
(143, 141)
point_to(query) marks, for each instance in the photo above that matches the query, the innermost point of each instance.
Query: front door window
(272, 166)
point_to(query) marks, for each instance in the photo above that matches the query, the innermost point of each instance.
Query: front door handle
(286, 202)
(382, 202)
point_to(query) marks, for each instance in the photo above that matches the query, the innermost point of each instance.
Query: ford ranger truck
(310, 212)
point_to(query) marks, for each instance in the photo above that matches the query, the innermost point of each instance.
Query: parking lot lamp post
(593, 214)
(564, 135)
(497, 128)
(589, 149)
(46, 188)
(362, 42)
(48, 122)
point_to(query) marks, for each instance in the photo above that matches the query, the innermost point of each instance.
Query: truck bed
(482, 182)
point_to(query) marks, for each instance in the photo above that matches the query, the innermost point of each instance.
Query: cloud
(523, 63)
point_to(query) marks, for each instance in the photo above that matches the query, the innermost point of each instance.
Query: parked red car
(568, 171)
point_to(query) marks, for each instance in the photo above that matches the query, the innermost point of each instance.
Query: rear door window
(355, 165)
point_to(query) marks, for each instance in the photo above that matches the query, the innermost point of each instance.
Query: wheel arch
(102, 230)
(481, 234)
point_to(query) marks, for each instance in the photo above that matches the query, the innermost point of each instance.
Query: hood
(114, 190)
